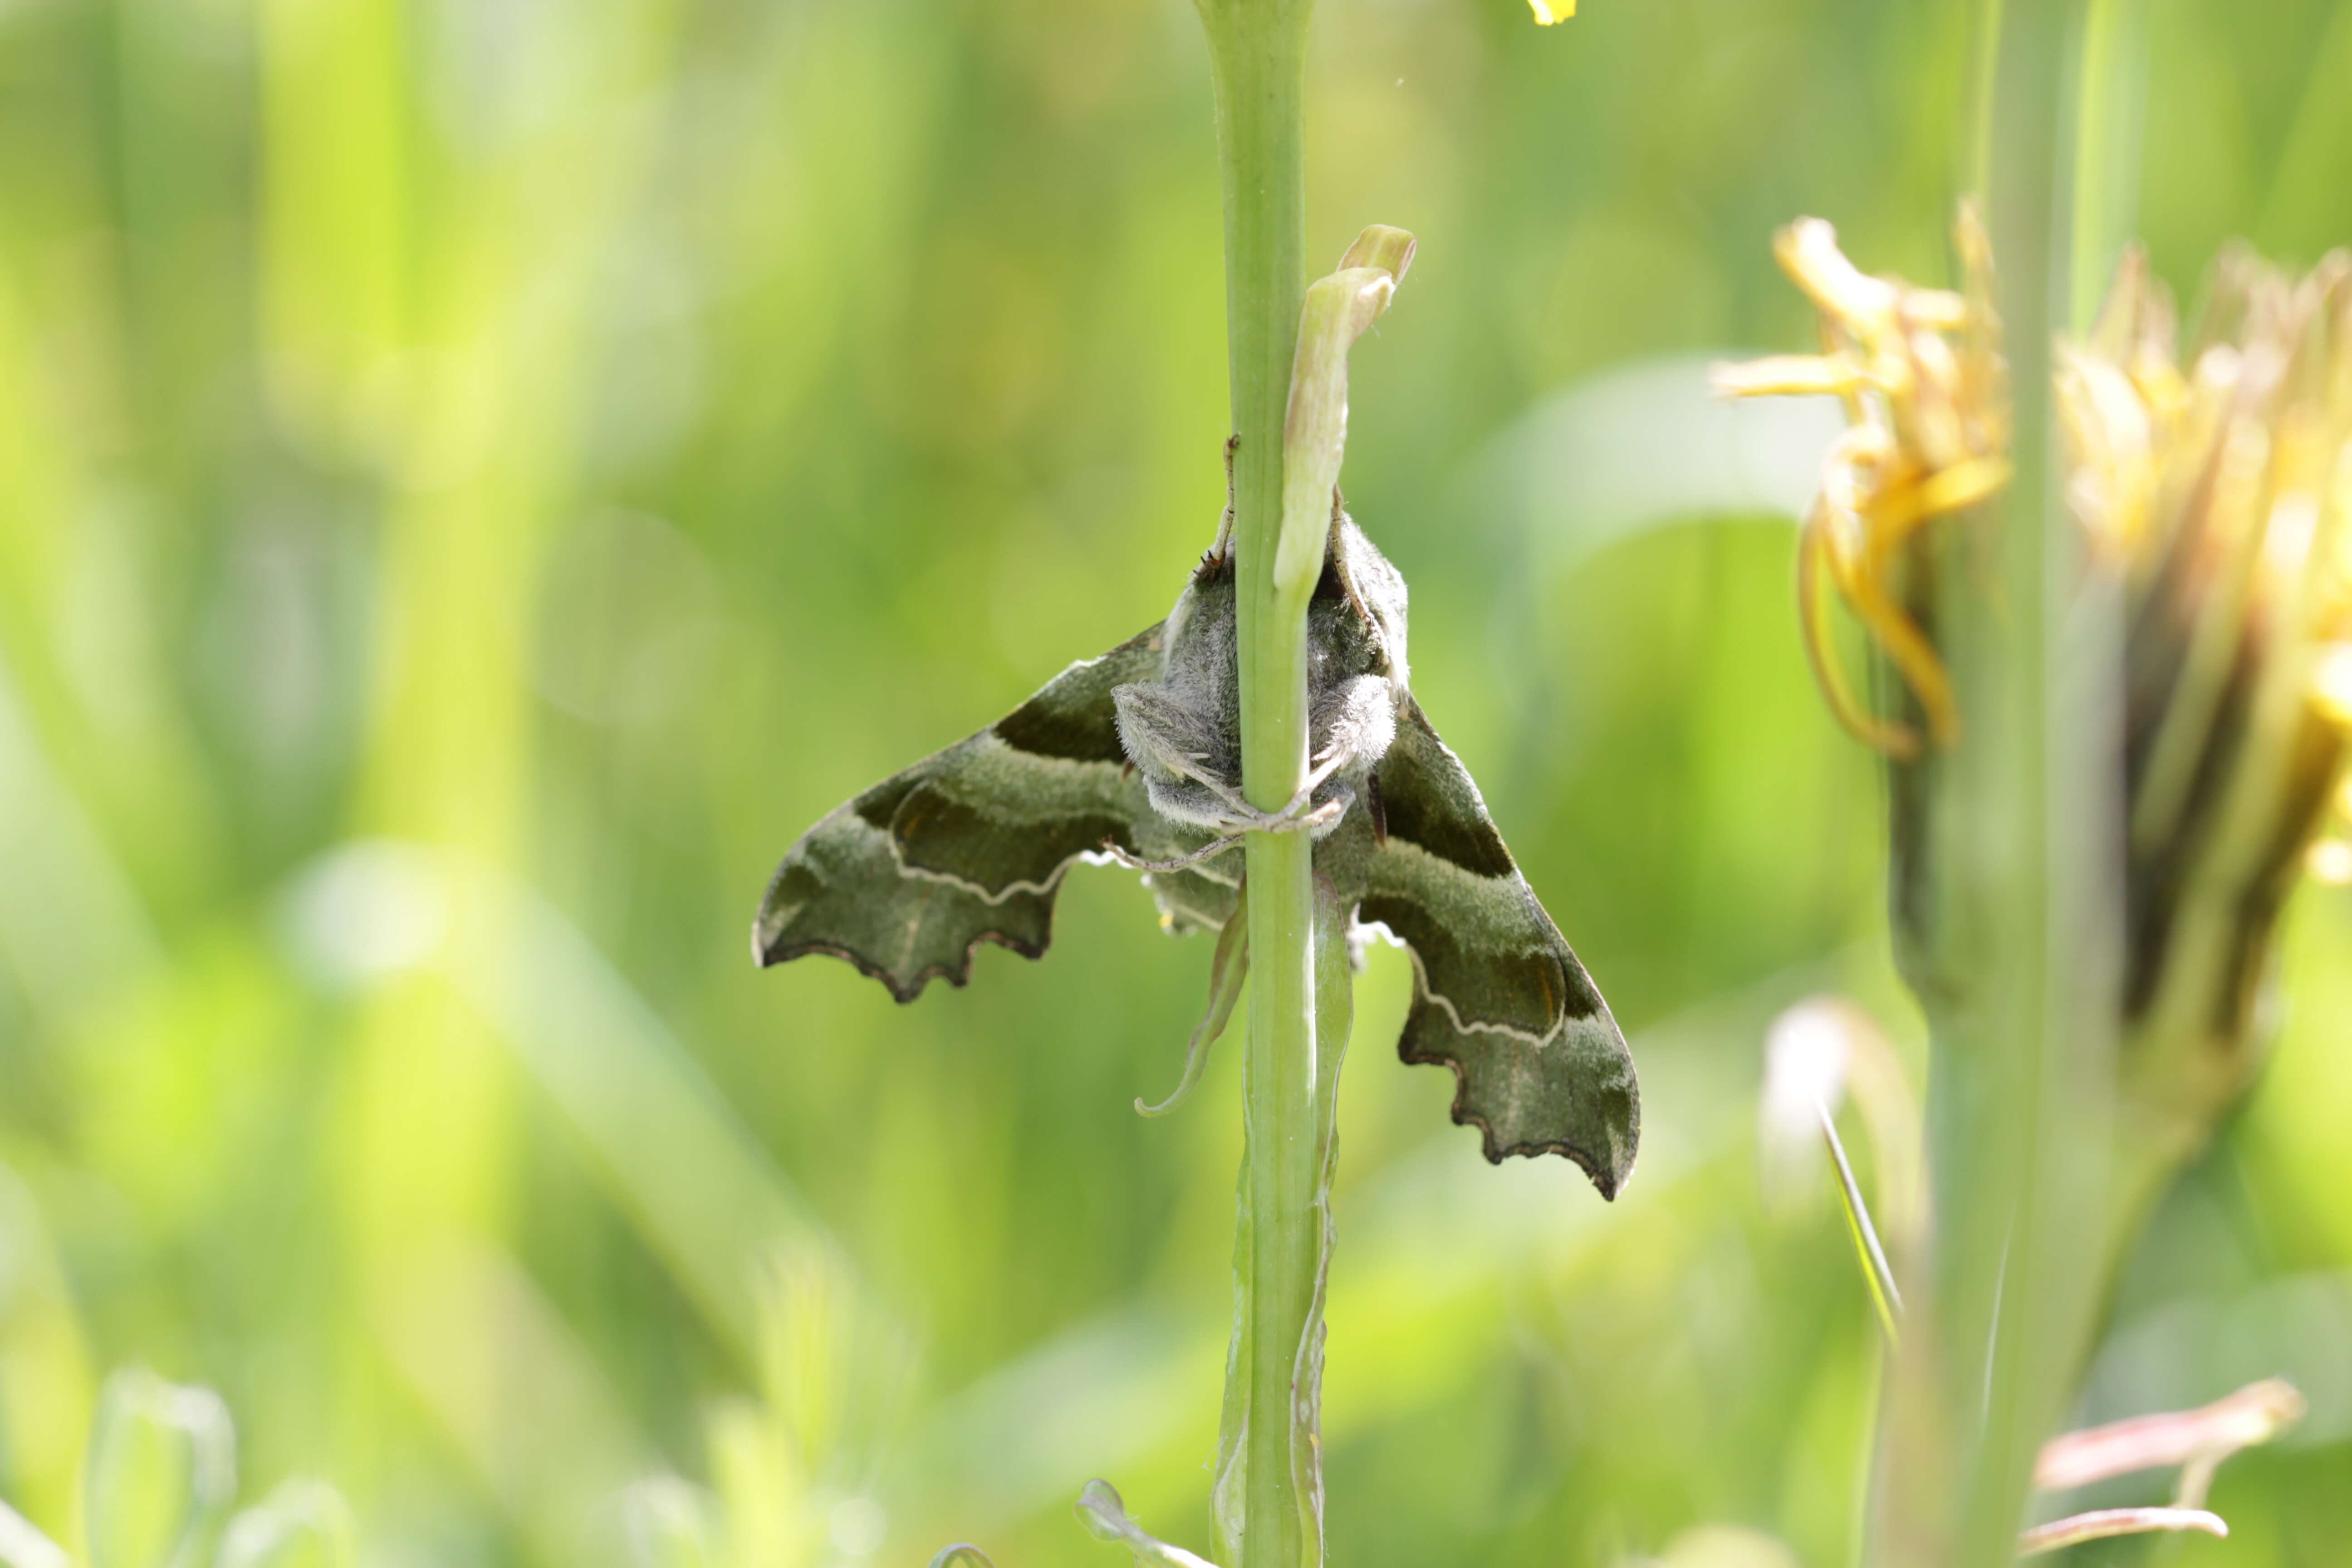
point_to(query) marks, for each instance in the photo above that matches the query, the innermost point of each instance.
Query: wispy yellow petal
(1808, 252)
(1549, 11)
(1963, 485)
(1922, 440)
(1786, 374)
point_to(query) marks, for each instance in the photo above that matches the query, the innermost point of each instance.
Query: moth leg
(1331, 759)
(1240, 817)
(1294, 814)
(1357, 720)
(1137, 863)
(1292, 817)
(1176, 746)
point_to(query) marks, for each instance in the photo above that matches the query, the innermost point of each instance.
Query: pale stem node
(1105, 1519)
(2253, 1415)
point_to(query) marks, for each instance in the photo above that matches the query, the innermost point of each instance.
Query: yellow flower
(2218, 485)
(2220, 491)
(2215, 491)
(1926, 436)
(1547, 14)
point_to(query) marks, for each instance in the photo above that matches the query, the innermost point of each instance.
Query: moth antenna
(1225, 523)
(1335, 547)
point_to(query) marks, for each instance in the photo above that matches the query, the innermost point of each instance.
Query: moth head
(1360, 600)
(1205, 609)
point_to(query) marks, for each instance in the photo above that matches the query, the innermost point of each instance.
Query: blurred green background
(478, 478)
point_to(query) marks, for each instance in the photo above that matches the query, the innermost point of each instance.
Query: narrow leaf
(1872, 1256)
(1226, 971)
(1335, 1014)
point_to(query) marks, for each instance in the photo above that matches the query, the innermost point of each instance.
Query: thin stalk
(2017, 893)
(1980, 84)
(2028, 848)
(1884, 1294)
(1267, 1519)
(2109, 98)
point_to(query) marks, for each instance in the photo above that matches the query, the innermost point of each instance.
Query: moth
(1136, 757)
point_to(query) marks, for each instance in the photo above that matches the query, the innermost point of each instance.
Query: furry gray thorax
(1182, 730)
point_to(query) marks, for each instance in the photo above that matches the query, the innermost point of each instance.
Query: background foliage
(477, 478)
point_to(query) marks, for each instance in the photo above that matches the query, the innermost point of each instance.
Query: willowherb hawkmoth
(1136, 755)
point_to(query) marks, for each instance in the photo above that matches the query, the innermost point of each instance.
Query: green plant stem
(2017, 896)
(1257, 60)
(2027, 846)
(2109, 93)
(1981, 74)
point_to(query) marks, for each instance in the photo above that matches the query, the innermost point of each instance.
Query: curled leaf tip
(1337, 310)
(1382, 245)
(1549, 11)
(1104, 1513)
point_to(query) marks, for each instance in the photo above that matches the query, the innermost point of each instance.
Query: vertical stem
(2109, 89)
(1268, 1506)
(1981, 73)
(2025, 821)
(2061, 972)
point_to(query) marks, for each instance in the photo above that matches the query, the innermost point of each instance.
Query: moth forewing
(970, 845)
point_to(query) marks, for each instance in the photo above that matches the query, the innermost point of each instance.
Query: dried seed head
(2219, 487)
